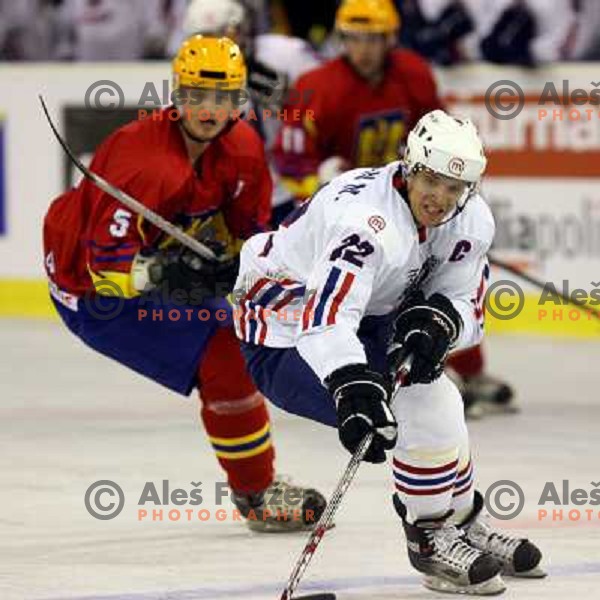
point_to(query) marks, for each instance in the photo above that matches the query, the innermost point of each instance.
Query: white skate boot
(450, 564)
(519, 556)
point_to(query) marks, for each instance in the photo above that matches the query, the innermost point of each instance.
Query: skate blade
(535, 573)
(491, 587)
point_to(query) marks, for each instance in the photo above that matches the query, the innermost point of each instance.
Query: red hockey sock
(235, 415)
(467, 363)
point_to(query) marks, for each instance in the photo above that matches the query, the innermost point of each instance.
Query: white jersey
(290, 56)
(354, 251)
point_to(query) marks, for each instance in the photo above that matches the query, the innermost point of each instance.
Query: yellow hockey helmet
(208, 62)
(367, 16)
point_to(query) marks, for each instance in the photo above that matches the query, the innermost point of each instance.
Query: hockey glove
(184, 270)
(427, 329)
(362, 398)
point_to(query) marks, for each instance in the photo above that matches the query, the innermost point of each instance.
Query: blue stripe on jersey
(330, 284)
(116, 246)
(270, 295)
(114, 259)
(253, 323)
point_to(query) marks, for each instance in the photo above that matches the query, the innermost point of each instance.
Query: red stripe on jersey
(425, 470)
(339, 298)
(256, 288)
(423, 492)
(307, 314)
(289, 296)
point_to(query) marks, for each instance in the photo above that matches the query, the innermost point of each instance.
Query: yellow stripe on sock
(240, 440)
(246, 453)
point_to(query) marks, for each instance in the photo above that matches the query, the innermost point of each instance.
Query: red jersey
(341, 114)
(223, 198)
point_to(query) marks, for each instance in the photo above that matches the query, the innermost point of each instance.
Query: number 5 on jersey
(121, 222)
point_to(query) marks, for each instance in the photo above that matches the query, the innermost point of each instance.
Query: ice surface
(70, 417)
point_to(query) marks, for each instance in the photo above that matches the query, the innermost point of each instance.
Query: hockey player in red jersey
(357, 110)
(117, 281)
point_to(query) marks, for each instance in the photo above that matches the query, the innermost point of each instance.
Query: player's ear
(391, 40)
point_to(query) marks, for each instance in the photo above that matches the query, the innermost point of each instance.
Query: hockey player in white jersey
(381, 264)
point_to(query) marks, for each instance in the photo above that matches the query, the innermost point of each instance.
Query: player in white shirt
(381, 264)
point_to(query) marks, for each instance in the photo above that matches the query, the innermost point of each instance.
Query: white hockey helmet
(213, 17)
(446, 145)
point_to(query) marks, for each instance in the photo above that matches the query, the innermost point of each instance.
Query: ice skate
(450, 564)
(519, 556)
(282, 507)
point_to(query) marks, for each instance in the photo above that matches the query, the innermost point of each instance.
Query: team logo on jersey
(456, 166)
(378, 138)
(376, 223)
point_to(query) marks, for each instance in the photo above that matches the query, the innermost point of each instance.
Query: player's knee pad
(430, 416)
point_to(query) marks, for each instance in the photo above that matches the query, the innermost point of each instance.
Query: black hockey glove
(427, 329)
(184, 270)
(362, 398)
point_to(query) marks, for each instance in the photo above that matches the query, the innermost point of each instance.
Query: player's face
(204, 113)
(433, 197)
(366, 53)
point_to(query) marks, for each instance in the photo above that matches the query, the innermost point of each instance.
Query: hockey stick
(130, 202)
(326, 519)
(540, 284)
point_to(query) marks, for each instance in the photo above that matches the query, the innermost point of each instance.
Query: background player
(363, 105)
(208, 174)
(274, 62)
(411, 236)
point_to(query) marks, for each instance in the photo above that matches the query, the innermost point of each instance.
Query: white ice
(70, 417)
